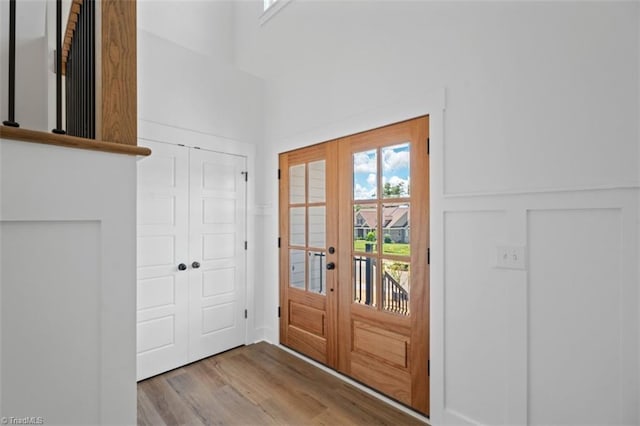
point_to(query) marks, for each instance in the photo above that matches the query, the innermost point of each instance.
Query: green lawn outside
(391, 248)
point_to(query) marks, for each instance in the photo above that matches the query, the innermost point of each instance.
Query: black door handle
(331, 266)
(182, 267)
(195, 265)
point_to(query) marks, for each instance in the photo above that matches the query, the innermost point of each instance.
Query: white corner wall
(535, 144)
(31, 109)
(67, 280)
(203, 26)
(182, 88)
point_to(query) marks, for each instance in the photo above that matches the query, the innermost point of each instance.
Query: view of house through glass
(381, 228)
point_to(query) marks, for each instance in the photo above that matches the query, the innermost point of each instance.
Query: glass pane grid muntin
(296, 202)
(317, 274)
(365, 227)
(396, 235)
(316, 182)
(395, 286)
(365, 278)
(394, 298)
(297, 184)
(395, 158)
(297, 268)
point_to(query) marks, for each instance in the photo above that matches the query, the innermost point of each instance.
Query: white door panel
(217, 238)
(163, 196)
(191, 208)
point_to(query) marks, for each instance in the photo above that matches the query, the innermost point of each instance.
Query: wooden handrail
(116, 85)
(24, 135)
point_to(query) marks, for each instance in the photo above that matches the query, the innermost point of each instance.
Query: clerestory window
(271, 7)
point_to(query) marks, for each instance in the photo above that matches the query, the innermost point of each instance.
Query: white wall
(67, 277)
(190, 92)
(535, 144)
(31, 64)
(205, 27)
(182, 88)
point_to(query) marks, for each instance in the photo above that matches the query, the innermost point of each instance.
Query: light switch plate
(511, 257)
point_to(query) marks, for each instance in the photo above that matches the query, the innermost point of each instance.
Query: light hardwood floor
(258, 384)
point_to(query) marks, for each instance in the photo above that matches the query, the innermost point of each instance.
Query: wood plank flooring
(258, 384)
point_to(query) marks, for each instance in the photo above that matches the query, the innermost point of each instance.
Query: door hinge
(278, 311)
(245, 314)
(246, 176)
(246, 245)
(278, 174)
(279, 241)
(428, 145)
(429, 256)
(429, 368)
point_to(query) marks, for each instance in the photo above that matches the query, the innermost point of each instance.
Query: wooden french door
(308, 251)
(384, 280)
(373, 322)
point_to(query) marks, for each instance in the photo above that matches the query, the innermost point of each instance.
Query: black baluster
(59, 130)
(12, 66)
(355, 279)
(91, 15)
(321, 271)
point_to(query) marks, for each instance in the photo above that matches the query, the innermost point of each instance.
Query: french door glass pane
(297, 226)
(317, 182)
(395, 171)
(365, 175)
(395, 229)
(317, 272)
(365, 228)
(296, 268)
(395, 286)
(317, 226)
(364, 280)
(297, 184)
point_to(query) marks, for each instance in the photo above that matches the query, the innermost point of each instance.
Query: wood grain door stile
(308, 319)
(382, 349)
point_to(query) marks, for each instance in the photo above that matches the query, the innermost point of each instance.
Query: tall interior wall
(534, 137)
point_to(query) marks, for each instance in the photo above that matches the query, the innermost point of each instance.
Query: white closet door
(216, 241)
(163, 209)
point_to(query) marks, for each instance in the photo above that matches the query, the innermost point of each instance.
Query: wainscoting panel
(51, 276)
(475, 323)
(575, 310)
